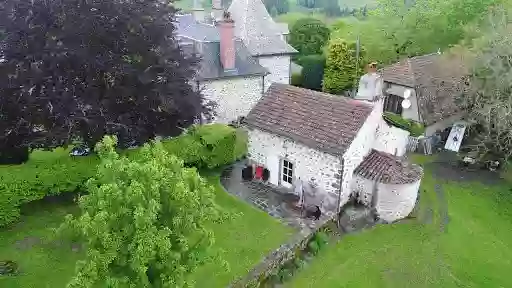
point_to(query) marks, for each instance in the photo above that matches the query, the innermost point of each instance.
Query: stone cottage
(428, 83)
(237, 63)
(342, 145)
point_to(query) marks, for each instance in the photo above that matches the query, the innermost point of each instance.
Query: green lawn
(245, 240)
(475, 250)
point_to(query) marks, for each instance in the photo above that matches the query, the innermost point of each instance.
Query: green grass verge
(474, 250)
(244, 240)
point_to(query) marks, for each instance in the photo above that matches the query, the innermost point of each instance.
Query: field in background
(297, 12)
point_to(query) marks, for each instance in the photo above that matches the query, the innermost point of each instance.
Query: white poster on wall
(455, 139)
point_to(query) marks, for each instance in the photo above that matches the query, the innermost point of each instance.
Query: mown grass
(474, 249)
(244, 240)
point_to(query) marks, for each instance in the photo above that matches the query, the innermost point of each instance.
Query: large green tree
(396, 29)
(144, 221)
(280, 6)
(74, 68)
(343, 66)
(488, 102)
(308, 36)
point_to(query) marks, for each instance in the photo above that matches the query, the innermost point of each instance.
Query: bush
(312, 71)
(55, 172)
(416, 129)
(342, 68)
(296, 79)
(209, 146)
(46, 173)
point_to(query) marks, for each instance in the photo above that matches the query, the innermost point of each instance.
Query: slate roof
(436, 78)
(260, 32)
(210, 67)
(388, 169)
(207, 47)
(321, 121)
(187, 26)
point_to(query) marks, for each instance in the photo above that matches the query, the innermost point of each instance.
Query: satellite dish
(406, 104)
(407, 93)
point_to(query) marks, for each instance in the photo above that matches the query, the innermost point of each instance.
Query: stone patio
(266, 198)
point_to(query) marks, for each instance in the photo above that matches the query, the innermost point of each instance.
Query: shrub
(55, 172)
(296, 79)
(209, 146)
(312, 71)
(342, 68)
(416, 129)
(46, 173)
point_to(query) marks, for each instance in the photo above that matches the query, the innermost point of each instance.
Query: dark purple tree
(85, 68)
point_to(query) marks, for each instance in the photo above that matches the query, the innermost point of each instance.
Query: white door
(273, 167)
(286, 173)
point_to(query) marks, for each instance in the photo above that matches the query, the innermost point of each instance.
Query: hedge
(312, 71)
(416, 129)
(296, 79)
(55, 172)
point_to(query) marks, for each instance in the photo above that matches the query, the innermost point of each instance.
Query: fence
(412, 144)
(423, 145)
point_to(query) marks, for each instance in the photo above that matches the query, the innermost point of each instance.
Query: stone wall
(279, 67)
(360, 147)
(394, 201)
(391, 139)
(272, 263)
(234, 96)
(269, 150)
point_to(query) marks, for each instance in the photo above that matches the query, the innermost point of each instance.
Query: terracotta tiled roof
(322, 121)
(437, 78)
(399, 73)
(388, 169)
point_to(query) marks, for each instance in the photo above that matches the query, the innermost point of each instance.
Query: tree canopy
(280, 6)
(396, 29)
(488, 102)
(73, 68)
(342, 67)
(144, 221)
(308, 36)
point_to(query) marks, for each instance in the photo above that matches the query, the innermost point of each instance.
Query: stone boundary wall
(276, 259)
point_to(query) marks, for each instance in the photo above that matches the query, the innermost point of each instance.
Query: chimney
(227, 42)
(372, 67)
(217, 10)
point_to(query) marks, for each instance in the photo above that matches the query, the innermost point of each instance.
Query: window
(393, 103)
(287, 174)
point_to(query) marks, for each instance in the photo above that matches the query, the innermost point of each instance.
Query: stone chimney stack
(217, 10)
(372, 67)
(227, 42)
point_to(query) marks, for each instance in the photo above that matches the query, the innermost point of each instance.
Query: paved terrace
(264, 197)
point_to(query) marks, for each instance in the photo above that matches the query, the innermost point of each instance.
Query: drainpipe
(201, 122)
(340, 190)
(263, 85)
